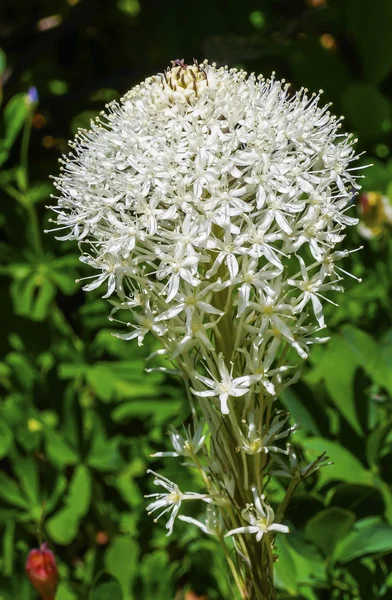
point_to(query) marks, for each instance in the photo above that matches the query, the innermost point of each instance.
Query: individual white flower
(255, 441)
(170, 501)
(224, 387)
(260, 517)
(311, 289)
(213, 523)
(184, 445)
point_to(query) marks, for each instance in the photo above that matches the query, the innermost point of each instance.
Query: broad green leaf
(38, 192)
(375, 539)
(156, 572)
(32, 296)
(26, 470)
(304, 563)
(340, 386)
(57, 492)
(299, 413)
(161, 410)
(370, 356)
(329, 526)
(58, 450)
(285, 571)
(121, 561)
(111, 590)
(104, 454)
(79, 495)
(367, 110)
(64, 525)
(369, 27)
(345, 466)
(64, 592)
(11, 492)
(15, 114)
(23, 370)
(363, 500)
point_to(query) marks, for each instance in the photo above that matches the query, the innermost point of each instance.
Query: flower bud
(42, 571)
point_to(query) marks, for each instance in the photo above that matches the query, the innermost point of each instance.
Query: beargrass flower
(170, 501)
(260, 517)
(208, 204)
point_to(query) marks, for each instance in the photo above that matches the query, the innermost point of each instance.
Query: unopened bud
(42, 571)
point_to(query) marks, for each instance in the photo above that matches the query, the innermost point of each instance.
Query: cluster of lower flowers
(211, 203)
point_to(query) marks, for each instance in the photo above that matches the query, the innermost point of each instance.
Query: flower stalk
(210, 204)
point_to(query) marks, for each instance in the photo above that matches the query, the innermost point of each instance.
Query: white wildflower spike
(199, 193)
(209, 205)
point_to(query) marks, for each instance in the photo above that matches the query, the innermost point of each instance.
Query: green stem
(24, 152)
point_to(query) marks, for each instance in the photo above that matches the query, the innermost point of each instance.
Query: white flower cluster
(211, 202)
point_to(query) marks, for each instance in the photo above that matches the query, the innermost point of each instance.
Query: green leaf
(367, 110)
(79, 497)
(329, 526)
(3, 61)
(369, 26)
(83, 120)
(340, 386)
(64, 525)
(299, 413)
(376, 539)
(64, 592)
(121, 561)
(58, 450)
(129, 7)
(11, 492)
(285, 571)
(111, 590)
(8, 548)
(15, 114)
(363, 500)
(32, 296)
(374, 359)
(5, 440)
(345, 466)
(26, 470)
(104, 454)
(301, 563)
(375, 443)
(38, 192)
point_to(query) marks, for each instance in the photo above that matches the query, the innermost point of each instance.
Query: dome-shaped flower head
(210, 202)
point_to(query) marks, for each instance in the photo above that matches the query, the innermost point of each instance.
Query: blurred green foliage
(78, 416)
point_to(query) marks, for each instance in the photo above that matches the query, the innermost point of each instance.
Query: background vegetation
(78, 416)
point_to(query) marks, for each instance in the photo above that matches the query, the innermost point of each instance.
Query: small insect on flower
(42, 571)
